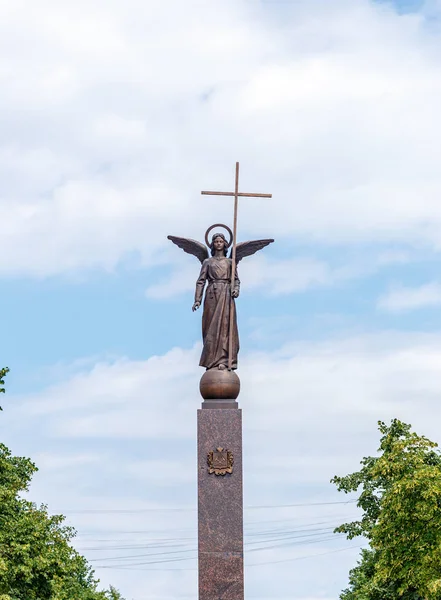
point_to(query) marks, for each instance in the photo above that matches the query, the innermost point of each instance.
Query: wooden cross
(236, 195)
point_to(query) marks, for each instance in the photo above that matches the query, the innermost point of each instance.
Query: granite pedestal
(220, 504)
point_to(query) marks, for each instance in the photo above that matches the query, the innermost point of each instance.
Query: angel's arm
(200, 283)
(236, 286)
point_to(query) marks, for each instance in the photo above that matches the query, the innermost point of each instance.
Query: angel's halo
(219, 225)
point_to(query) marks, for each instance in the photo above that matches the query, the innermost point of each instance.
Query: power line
(282, 538)
(298, 505)
(275, 562)
(181, 558)
(261, 564)
(247, 525)
(251, 538)
(188, 509)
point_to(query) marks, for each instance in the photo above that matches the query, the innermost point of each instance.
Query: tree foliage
(3, 372)
(401, 503)
(37, 561)
(364, 586)
(113, 594)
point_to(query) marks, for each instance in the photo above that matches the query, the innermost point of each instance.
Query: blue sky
(408, 6)
(110, 125)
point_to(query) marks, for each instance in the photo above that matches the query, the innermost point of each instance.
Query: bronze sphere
(218, 384)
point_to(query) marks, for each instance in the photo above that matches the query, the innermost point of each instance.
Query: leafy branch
(3, 373)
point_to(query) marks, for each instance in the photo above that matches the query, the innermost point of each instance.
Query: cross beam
(236, 194)
(245, 194)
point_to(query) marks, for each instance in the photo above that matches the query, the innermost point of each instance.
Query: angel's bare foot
(222, 367)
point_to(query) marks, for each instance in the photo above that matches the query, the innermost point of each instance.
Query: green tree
(113, 594)
(363, 585)
(37, 561)
(401, 503)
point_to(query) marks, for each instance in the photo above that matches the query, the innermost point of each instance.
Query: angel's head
(218, 243)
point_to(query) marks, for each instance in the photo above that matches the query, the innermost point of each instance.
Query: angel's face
(219, 243)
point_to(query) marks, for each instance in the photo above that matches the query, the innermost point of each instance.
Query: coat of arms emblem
(220, 461)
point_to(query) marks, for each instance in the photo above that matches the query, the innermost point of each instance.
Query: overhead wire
(181, 558)
(246, 544)
(247, 524)
(191, 509)
(251, 538)
(168, 550)
(260, 564)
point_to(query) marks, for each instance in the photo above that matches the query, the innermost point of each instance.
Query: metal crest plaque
(220, 461)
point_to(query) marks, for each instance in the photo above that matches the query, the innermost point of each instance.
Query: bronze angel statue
(219, 322)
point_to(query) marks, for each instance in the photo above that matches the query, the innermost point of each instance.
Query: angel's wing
(247, 248)
(190, 246)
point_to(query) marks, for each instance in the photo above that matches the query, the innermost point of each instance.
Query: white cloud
(394, 257)
(402, 299)
(178, 282)
(111, 125)
(48, 461)
(278, 277)
(291, 275)
(162, 472)
(130, 399)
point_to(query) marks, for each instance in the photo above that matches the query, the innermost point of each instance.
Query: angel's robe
(216, 316)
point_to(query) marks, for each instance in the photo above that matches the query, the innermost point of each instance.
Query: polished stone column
(220, 503)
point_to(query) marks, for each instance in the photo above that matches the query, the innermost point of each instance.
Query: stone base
(220, 507)
(220, 404)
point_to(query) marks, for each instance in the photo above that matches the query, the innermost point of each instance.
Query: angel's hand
(235, 294)
(196, 305)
